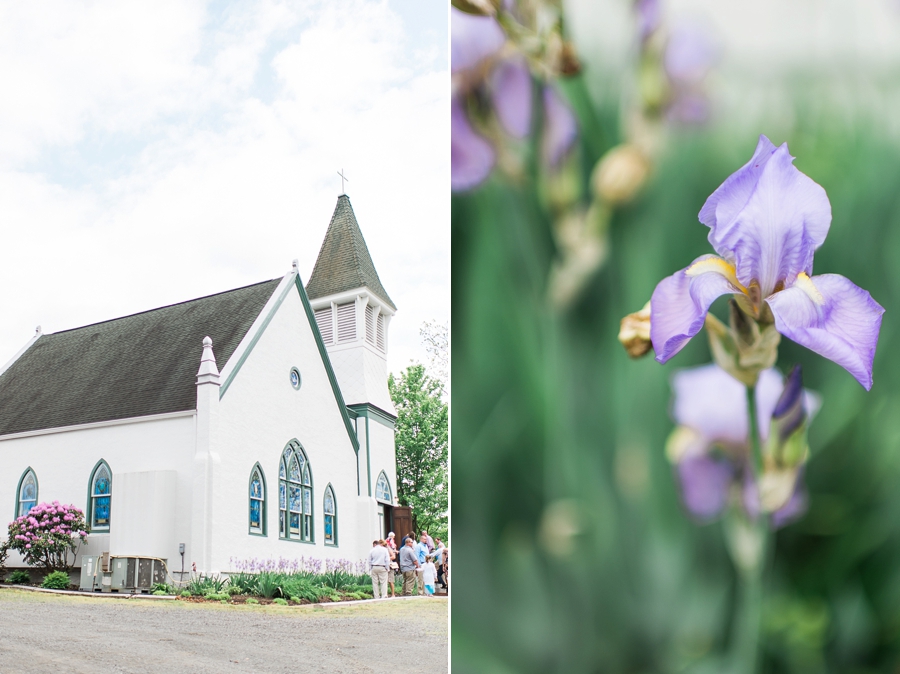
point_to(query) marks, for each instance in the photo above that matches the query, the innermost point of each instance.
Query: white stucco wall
(258, 415)
(63, 463)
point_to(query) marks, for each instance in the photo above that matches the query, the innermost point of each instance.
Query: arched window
(257, 501)
(383, 489)
(27, 493)
(330, 510)
(294, 494)
(100, 502)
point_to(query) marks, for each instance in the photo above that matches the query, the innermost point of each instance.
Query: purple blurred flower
(560, 129)
(649, 14)
(471, 156)
(502, 80)
(715, 460)
(689, 55)
(766, 222)
(472, 39)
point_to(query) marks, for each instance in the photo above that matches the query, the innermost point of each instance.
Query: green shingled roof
(127, 367)
(344, 262)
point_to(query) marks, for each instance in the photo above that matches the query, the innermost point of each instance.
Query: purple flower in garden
(711, 447)
(479, 63)
(766, 222)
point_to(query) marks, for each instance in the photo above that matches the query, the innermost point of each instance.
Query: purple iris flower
(478, 62)
(766, 222)
(714, 455)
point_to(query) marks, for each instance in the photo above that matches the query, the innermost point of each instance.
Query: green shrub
(233, 590)
(280, 601)
(252, 600)
(186, 593)
(163, 588)
(217, 596)
(202, 585)
(296, 600)
(19, 577)
(269, 584)
(56, 580)
(338, 580)
(160, 593)
(244, 582)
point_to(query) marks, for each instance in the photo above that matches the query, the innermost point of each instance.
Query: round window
(295, 378)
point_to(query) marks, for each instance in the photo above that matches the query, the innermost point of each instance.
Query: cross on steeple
(343, 178)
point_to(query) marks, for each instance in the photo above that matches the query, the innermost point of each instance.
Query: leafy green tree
(421, 438)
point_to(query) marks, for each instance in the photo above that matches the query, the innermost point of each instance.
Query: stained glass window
(28, 493)
(383, 489)
(295, 496)
(330, 517)
(258, 501)
(101, 497)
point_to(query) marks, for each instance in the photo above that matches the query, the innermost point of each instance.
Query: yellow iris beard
(718, 266)
(806, 285)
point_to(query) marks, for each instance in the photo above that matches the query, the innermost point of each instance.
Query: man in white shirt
(379, 561)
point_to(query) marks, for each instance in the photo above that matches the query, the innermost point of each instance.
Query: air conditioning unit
(136, 574)
(94, 574)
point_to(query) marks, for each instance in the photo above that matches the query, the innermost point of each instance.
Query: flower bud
(634, 332)
(619, 174)
(786, 447)
(745, 348)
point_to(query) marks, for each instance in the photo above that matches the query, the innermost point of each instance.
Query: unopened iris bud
(619, 174)
(786, 448)
(634, 332)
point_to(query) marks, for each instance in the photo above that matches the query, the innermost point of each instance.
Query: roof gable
(344, 262)
(133, 366)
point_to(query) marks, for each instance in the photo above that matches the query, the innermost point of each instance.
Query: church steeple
(352, 310)
(344, 262)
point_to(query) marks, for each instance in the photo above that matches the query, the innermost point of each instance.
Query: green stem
(751, 546)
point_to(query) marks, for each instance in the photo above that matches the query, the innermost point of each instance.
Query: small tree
(47, 533)
(421, 439)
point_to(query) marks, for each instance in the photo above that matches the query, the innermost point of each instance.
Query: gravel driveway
(59, 633)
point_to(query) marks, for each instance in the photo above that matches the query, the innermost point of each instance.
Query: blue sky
(162, 151)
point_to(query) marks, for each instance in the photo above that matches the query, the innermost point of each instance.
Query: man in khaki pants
(408, 565)
(379, 561)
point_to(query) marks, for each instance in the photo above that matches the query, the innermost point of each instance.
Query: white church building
(254, 423)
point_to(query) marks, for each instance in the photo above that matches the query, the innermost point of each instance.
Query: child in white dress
(429, 573)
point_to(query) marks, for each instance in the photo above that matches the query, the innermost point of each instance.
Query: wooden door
(402, 517)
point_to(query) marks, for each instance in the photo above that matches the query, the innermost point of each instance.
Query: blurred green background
(573, 553)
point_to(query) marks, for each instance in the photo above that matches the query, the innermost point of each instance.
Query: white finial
(295, 266)
(208, 371)
(37, 331)
(343, 178)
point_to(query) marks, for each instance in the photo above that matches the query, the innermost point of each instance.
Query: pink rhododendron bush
(47, 533)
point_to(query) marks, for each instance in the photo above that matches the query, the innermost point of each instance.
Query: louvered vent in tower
(326, 325)
(346, 320)
(371, 317)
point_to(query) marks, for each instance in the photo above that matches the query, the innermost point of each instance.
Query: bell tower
(353, 311)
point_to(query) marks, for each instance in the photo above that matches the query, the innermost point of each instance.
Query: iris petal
(473, 38)
(512, 96)
(560, 127)
(835, 318)
(679, 304)
(726, 202)
(705, 483)
(776, 234)
(768, 218)
(471, 156)
(712, 402)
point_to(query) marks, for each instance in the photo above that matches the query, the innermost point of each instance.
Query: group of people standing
(424, 565)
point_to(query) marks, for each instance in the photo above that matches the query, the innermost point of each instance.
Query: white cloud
(147, 159)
